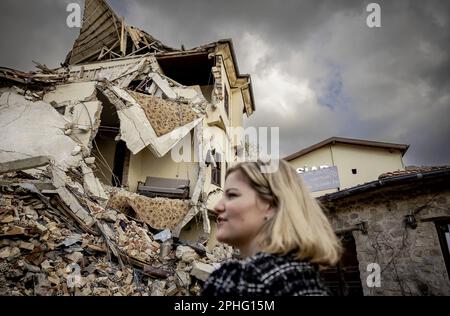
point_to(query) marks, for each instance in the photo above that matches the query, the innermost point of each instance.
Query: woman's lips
(221, 220)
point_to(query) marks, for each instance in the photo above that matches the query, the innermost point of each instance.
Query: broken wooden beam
(156, 272)
(24, 164)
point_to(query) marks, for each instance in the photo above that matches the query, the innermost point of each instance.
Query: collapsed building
(124, 142)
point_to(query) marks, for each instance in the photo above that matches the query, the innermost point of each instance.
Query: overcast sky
(317, 69)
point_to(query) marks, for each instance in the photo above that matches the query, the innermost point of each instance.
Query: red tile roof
(411, 170)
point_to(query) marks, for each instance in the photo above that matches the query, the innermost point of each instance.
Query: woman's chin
(222, 238)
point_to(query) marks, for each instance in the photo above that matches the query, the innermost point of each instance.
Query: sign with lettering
(321, 179)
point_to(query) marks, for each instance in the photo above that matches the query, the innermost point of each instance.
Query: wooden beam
(102, 54)
(123, 38)
(24, 164)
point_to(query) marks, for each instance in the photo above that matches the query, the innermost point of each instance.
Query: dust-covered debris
(62, 231)
(45, 251)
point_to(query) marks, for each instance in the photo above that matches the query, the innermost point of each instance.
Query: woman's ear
(270, 212)
(267, 208)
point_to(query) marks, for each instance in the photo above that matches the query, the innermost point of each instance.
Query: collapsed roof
(104, 36)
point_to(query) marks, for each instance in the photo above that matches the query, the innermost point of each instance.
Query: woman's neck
(249, 249)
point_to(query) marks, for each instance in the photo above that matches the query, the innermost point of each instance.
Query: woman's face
(241, 213)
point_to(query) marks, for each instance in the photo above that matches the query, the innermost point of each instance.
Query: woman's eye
(231, 195)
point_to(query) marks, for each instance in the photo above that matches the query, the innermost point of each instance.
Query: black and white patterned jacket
(265, 275)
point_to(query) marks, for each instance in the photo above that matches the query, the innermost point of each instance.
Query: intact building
(350, 162)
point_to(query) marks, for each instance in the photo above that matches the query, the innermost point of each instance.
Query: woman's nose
(219, 207)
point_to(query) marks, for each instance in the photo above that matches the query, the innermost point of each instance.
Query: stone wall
(411, 260)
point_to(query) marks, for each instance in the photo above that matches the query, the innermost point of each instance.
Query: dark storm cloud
(317, 69)
(34, 30)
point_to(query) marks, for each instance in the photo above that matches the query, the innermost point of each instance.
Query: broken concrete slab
(72, 239)
(9, 252)
(124, 79)
(194, 95)
(92, 184)
(14, 231)
(136, 130)
(32, 268)
(7, 219)
(163, 235)
(23, 136)
(163, 84)
(186, 254)
(81, 109)
(26, 245)
(111, 70)
(71, 92)
(201, 270)
(75, 257)
(89, 160)
(158, 288)
(183, 278)
(23, 164)
(59, 181)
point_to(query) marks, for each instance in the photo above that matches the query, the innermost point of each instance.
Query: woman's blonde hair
(299, 224)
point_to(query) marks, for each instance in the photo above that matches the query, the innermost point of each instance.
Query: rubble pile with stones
(44, 251)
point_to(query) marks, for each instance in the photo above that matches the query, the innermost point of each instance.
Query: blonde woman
(280, 230)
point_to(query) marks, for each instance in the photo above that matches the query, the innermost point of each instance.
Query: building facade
(356, 161)
(395, 233)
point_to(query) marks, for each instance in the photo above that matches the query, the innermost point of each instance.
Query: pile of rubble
(62, 231)
(46, 250)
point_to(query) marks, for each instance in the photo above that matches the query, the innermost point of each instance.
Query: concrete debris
(37, 137)
(184, 278)
(75, 257)
(76, 150)
(163, 235)
(80, 108)
(201, 270)
(72, 239)
(135, 128)
(163, 85)
(45, 250)
(89, 160)
(22, 164)
(186, 254)
(31, 78)
(91, 184)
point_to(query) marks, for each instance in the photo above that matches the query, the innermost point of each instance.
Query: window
(354, 171)
(226, 102)
(443, 229)
(344, 279)
(216, 172)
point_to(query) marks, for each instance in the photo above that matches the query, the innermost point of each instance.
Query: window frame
(226, 102)
(443, 227)
(216, 172)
